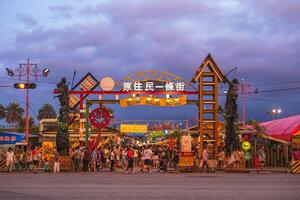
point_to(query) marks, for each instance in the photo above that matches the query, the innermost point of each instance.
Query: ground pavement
(106, 185)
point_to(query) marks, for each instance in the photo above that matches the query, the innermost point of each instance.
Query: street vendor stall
(13, 139)
(17, 141)
(295, 164)
(285, 130)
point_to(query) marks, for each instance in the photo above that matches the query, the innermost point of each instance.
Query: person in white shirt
(112, 158)
(148, 158)
(10, 156)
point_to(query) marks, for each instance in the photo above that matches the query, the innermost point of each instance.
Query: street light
(275, 111)
(279, 111)
(27, 85)
(46, 72)
(10, 72)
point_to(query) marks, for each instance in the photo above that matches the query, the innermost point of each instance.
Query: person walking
(35, 159)
(124, 159)
(262, 158)
(86, 160)
(10, 157)
(77, 158)
(130, 156)
(56, 162)
(112, 158)
(175, 159)
(148, 158)
(204, 160)
(93, 160)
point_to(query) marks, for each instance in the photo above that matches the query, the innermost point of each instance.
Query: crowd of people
(24, 160)
(116, 158)
(127, 159)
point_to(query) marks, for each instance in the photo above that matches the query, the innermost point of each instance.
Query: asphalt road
(104, 186)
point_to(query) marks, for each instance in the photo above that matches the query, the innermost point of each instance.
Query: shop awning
(13, 138)
(282, 129)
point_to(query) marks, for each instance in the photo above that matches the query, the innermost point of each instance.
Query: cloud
(65, 11)
(287, 11)
(117, 38)
(27, 20)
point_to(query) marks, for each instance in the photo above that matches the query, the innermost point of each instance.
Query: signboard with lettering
(186, 159)
(186, 143)
(153, 86)
(11, 138)
(133, 128)
(246, 146)
(87, 83)
(143, 100)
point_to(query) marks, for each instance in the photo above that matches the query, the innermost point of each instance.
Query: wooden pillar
(200, 116)
(208, 76)
(216, 117)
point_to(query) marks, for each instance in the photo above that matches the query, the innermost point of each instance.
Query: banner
(186, 160)
(143, 100)
(186, 143)
(133, 128)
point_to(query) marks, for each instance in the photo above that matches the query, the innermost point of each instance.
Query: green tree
(260, 130)
(46, 112)
(14, 113)
(33, 129)
(2, 112)
(177, 134)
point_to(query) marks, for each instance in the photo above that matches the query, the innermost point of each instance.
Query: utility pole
(31, 69)
(243, 103)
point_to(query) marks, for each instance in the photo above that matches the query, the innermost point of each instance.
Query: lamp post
(27, 69)
(275, 111)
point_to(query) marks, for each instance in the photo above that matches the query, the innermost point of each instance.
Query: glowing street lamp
(275, 111)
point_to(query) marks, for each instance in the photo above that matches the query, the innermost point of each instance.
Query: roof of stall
(283, 129)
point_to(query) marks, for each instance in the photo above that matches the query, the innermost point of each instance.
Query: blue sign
(11, 138)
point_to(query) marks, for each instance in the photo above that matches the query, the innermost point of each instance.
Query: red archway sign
(100, 118)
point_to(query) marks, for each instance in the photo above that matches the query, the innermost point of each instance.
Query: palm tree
(33, 129)
(14, 113)
(177, 134)
(46, 112)
(2, 112)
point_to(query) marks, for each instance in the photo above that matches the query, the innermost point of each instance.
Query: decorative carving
(232, 141)
(62, 136)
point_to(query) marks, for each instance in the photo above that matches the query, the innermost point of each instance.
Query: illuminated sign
(186, 143)
(153, 86)
(186, 160)
(155, 134)
(246, 145)
(10, 138)
(87, 83)
(133, 128)
(179, 101)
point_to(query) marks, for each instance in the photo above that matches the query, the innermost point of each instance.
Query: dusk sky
(119, 37)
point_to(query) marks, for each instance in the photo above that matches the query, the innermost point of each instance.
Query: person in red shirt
(35, 159)
(130, 156)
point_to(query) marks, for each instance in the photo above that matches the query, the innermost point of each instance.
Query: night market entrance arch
(144, 88)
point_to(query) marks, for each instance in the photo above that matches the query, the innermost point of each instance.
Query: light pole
(275, 111)
(31, 69)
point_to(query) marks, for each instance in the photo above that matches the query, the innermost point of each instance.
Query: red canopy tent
(284, 128)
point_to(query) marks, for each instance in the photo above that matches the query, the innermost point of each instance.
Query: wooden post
(200, 117)
(213, 75)
(216, 107)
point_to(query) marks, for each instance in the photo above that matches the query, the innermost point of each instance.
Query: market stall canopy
(283, 129)
(13, 138)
